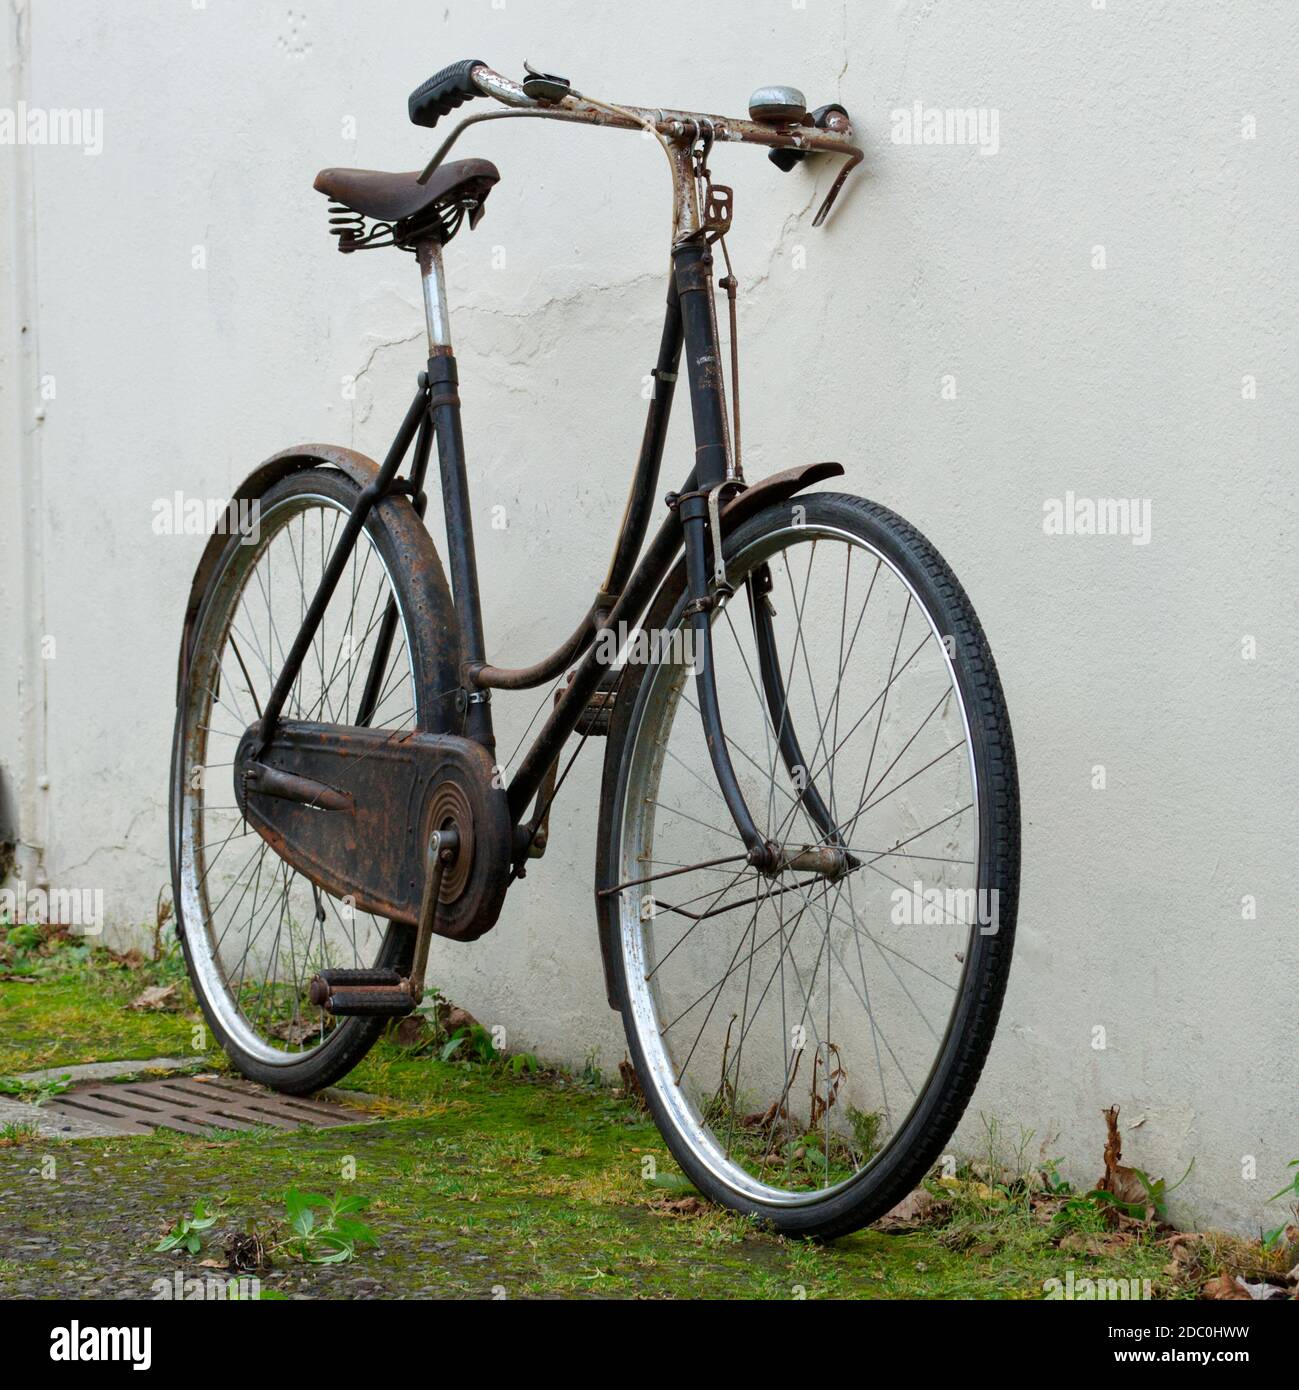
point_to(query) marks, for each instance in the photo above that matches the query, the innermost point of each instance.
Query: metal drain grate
(198, 1106)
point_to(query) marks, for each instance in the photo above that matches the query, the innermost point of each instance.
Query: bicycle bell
(777, 106)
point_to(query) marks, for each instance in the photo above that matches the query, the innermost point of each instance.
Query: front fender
(750, 502)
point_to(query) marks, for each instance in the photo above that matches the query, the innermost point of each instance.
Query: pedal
(375, 1001)
(384, 993)
(351, 979)
(367, 993)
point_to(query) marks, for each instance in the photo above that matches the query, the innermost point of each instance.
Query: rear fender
(434, 615)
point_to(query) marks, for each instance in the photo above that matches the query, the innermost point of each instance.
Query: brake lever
(832, 116)
(544, 86)
(824, 209)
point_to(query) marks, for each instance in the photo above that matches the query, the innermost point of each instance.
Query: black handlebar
(443, 92)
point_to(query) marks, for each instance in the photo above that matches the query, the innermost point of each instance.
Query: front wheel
(808, 1044)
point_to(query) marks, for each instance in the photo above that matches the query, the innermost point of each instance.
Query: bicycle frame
(695, 514)
(419, 830)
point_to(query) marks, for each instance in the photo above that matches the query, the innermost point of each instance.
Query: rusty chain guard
(367, 838)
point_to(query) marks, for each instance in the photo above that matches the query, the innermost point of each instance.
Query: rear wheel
(808, 1044)
(255, 930)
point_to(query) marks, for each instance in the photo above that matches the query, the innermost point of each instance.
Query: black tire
(403, 544)
(920, 1140)
(345, 1049)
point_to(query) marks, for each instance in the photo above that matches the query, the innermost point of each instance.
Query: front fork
(830, 857)
(698, 510)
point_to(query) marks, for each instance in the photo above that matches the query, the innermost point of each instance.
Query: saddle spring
(349, 227)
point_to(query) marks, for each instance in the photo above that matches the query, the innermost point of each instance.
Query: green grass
(82, 1017)
(480, 1180)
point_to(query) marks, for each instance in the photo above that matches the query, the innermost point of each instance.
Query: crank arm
(380, 993)
(442, 847)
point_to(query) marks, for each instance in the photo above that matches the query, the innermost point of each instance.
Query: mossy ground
(479, 1183)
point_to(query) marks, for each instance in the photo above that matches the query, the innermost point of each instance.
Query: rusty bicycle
(807, 862)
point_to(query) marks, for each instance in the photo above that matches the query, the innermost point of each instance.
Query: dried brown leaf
(1097, 1243)
(156, 999)
(413, 1031)
(679, 1206)
(1122, 1183)
(1225, 1288)
(458, 1018)
(631, 1087)
(910, 1211)
(294, 1030)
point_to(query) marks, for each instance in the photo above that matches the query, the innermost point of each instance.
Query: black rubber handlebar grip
(443, 92)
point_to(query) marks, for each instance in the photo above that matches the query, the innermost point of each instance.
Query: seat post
(435, 297)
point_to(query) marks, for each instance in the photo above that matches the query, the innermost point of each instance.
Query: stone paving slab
(51, 1124)
(105, 1071)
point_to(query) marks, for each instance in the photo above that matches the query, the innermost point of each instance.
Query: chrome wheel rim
(257, 930)
(668, 980)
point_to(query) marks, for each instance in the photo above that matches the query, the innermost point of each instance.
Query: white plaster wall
(1120, 126)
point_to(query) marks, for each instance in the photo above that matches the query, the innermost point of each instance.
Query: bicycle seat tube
(444, 409)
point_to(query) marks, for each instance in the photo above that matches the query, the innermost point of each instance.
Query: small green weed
(37, 1092)
(469, 1044)
(187, 1233)
(1273, 1239)
(325, 1229)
